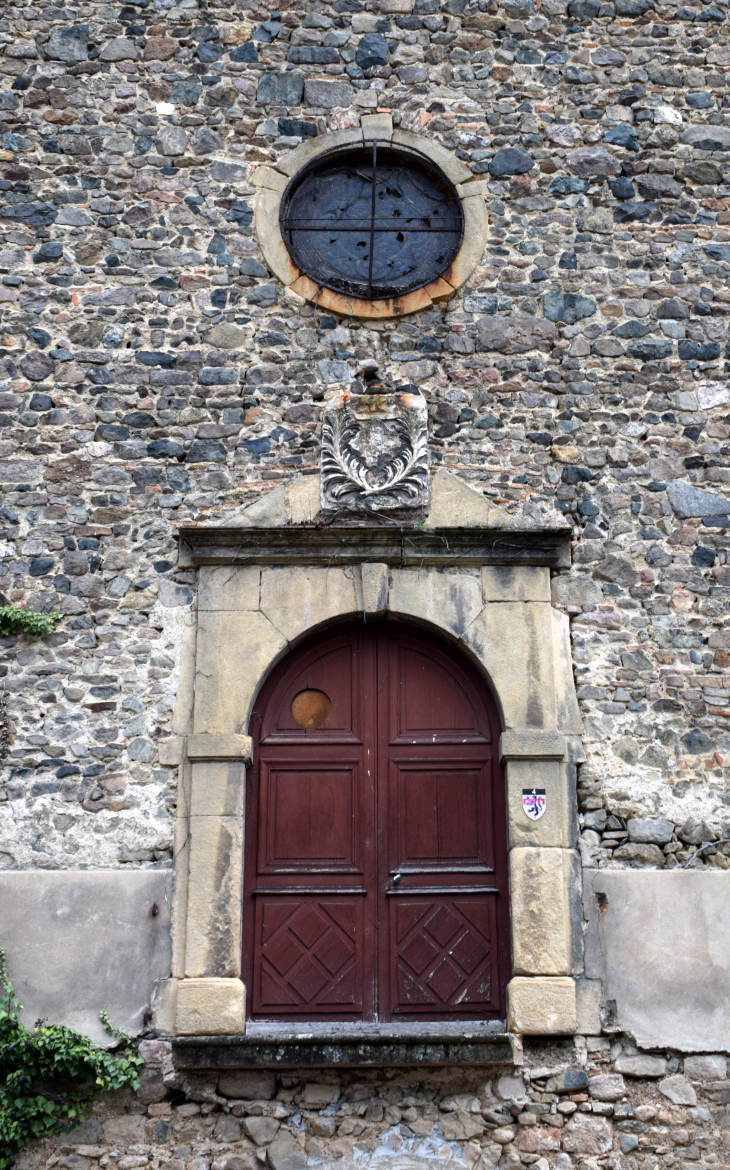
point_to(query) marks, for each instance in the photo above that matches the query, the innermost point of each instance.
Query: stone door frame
(260, 592)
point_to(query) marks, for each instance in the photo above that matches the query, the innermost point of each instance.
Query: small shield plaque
(533, 802)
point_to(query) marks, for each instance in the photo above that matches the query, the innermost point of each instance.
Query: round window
(372, 223)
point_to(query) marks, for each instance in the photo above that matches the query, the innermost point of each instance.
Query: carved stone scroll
(375, 452)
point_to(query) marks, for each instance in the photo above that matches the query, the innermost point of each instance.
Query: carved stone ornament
(375, 452)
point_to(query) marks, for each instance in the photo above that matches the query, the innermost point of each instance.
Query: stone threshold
(321, 1045)
(395, 546)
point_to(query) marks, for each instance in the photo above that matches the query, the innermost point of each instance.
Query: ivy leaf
(56, 1057)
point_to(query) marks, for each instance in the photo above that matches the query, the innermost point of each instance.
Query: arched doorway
(375, 851)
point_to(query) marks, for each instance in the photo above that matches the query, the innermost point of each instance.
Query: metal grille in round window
(372, 223)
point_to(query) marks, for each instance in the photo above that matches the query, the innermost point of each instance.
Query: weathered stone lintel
(206, 1053)
(205, 746)
(356, 545)
(542, 745)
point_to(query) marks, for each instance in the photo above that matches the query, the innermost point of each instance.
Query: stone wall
(591, 1103)
(154, 372)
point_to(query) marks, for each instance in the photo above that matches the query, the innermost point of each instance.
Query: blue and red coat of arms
(533, 802)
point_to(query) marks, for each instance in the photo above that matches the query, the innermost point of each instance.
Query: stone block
(448, 600)
(515, 583)
(571, 589)
(248, 1084)
(207, 746)
(234, 651)
(573, 1080)
(513, 643)
(217, 788)
(180, 840)
(607, 1087)
(272, 508)
(566, 702)
(515, 334)
(303, 497)
(281, 88)
(317, 1096)
(122, 1130)
(269, 179)
(543, 745)
(660, 944)
(210, 1007)
(455, 505)
(285, 1153)
(650, 832)
(587, 1135)
(473, 244)
(510, 1086)
(641, 1065)
(375, 580)
(170, 750)
(688, 500)
(541, 912)
(164, 1006)
(331, 95)
(298, 599)
(213, 932)
(541, 1007)
(705, 1068)
(261, 1130)
(228, 587)
(79, 941)
(588, 996)
(268, 234)
(553, 829)
(678, 1090)
(378, 126)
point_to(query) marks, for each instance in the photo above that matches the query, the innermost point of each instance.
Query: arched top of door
(306, 696)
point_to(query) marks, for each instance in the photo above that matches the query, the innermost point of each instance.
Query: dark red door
(375, 868)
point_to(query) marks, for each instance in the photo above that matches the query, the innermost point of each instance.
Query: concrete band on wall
(502, 618)
(272, 182)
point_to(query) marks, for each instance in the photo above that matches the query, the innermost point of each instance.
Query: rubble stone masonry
(154, 373)
(568, 1106)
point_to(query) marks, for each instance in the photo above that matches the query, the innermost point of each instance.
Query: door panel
(310, 959)
(430, 698)
(375, 870)
(333, 672)
(444, 956)
(309, 817)
(429, 702)
(439, 819)
(442, 837)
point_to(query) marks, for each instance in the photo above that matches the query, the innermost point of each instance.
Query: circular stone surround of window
(371, 249)
(372, 224)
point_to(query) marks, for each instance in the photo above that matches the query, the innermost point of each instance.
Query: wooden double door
(375, 855)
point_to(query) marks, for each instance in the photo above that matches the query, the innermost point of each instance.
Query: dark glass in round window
(372, 223)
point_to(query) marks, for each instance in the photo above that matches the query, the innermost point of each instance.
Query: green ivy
(14, 620)
(50, 1075)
